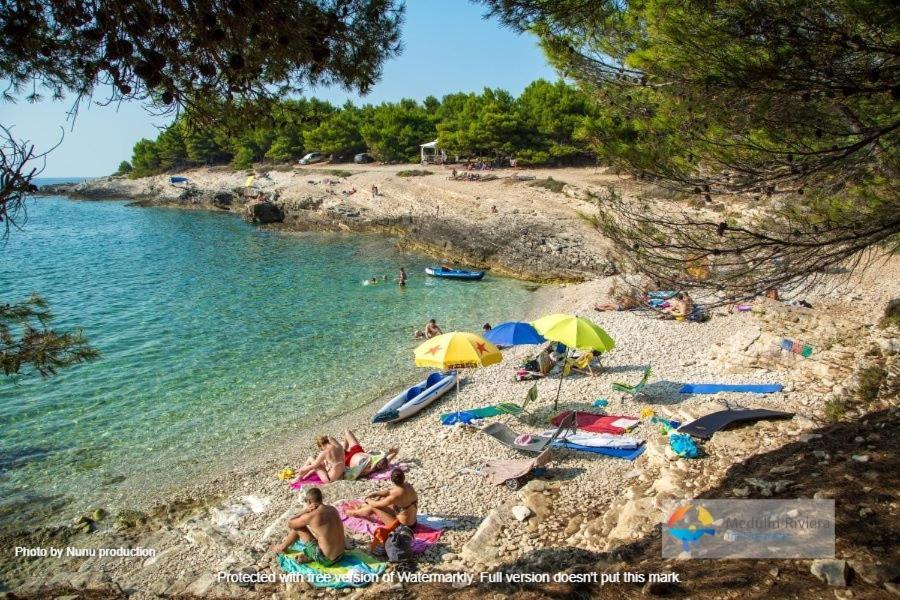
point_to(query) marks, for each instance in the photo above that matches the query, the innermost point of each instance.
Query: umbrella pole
(458, 377)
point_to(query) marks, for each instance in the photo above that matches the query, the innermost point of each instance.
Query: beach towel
(715, 388)
(626, 453)
(382, 475)
(355, 569)
(595, 423)
(805, 350)
(424, 536)
(601, 440)
(468, 415)
(499, 471)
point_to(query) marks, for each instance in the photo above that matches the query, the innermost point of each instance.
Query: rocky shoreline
(504, 225)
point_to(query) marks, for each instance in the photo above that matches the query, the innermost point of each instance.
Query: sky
(448, 47)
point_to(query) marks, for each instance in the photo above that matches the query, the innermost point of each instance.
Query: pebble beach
(227, 522)
(584, 507)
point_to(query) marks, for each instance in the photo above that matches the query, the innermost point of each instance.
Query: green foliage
(243, 157)
(27, 341)
(333, 172)
(545, 125)
(835, 409)
(393, 132)
(891, 316)
(791, 99)
(145, 159)
(870, 380)
(338, 134)
(124, 168)
(553, 185)
(414, 173)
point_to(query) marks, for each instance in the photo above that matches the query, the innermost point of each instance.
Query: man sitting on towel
(320, 531)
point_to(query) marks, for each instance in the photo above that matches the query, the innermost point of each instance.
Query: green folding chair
(634, 390)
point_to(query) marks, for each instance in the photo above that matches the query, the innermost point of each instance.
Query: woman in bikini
(329, 464)
(400, 503)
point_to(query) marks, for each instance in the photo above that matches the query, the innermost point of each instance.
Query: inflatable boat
(414, 399)
(454, 273)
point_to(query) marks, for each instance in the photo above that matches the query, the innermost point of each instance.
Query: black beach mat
(707, 425)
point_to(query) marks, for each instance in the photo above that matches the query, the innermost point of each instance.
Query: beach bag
(398, 545)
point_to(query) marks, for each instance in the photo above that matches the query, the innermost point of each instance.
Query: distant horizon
(492, 56)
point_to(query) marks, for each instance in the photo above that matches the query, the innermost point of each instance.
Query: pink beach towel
(382, 475)
(424, 537)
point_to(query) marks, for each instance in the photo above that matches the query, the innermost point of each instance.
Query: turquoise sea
(217, 338)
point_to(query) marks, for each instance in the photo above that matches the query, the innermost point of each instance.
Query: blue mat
(715, 388)
(614, 452)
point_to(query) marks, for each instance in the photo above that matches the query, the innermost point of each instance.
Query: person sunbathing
(626, 297)
(354, 455)
(400, 503)
(680, 305)
(329, 464)
(319, 528)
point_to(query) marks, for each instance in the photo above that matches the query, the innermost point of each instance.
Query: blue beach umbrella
(514, 333)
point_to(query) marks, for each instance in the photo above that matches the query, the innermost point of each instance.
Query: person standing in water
(402, 279)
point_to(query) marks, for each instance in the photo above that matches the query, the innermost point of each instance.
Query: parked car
(362, 158)
(313, 157)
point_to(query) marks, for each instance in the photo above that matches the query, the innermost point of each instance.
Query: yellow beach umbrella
(574, 332)
(457, 350)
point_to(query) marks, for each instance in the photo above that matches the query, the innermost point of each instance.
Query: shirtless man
(402, 279)
(432, 329)
(680, 305)
(329, 464)
(398, 503)
(320, 529)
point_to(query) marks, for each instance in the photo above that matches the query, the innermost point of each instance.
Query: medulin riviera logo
(689, 527)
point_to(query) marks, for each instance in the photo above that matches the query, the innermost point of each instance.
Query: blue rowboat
(454, 273)
(414, 399)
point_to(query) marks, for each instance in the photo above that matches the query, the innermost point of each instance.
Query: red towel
(593, 422)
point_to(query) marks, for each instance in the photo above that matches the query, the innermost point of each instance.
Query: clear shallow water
(215, 336)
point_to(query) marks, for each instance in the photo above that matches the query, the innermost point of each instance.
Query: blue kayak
(412, 400)
(454, 273)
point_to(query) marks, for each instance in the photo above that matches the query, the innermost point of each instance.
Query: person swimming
(432, 329)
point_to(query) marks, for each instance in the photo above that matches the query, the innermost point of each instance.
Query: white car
(313, 157)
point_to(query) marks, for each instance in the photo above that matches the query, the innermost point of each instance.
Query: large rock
(223, 199)
(831, 571)
(482, 546)
(264, 212)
